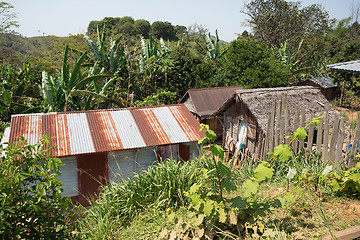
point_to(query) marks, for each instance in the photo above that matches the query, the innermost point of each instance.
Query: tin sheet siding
(145, 157)
(121, 165)
(69, 177)
(74, 133)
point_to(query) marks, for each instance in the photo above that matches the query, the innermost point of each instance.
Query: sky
(71, 17)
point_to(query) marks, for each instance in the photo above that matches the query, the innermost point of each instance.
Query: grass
(136, 209)
(159, 188)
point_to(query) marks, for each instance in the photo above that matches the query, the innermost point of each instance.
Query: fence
(331, 139)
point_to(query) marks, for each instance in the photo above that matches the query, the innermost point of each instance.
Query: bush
(31, 205)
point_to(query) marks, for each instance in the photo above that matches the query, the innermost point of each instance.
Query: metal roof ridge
(96, 110)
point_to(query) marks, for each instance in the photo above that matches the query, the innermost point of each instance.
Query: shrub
(31, 205)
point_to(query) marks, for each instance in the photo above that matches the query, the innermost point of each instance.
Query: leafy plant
(212, 208)
(14, 88)
(31, 205)
(61, 91)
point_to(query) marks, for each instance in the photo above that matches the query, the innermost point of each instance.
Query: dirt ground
(350, 114)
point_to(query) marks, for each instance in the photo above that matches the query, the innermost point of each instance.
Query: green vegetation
(124, 62)
(209, 199)
(31, 205)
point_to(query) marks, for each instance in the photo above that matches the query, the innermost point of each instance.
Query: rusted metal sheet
(75, 133)
(207, 100)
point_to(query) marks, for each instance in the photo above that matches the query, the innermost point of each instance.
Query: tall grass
(161, 186)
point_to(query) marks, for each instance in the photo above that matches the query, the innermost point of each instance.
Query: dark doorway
(92, 173)
(184, 152)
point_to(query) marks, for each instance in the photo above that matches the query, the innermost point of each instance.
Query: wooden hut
(246, 114)
(203, 103)
(326, 85)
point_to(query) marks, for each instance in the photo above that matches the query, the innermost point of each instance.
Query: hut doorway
(92, 173)
(242, 132)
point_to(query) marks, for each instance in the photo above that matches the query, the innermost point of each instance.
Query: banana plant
(213, 47)
(13, 93)
(61, 92)
(106, 60)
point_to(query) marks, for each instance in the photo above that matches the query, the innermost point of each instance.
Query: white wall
(69, 176)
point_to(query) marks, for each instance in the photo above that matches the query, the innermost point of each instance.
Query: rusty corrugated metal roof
(351, 66)
(74, 133)
(207, 100)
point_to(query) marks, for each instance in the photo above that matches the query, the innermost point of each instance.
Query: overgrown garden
(122, 62)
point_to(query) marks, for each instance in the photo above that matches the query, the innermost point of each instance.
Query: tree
(163, 30)
(7, 17)
(252, 64)
(277, 21)
(142, 27)
(127, 28)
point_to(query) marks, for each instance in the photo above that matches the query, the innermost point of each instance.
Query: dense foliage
(31, 205)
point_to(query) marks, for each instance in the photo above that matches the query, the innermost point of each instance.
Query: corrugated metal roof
(207, 100)
(351, 66)
(74, 133)
(325, 82)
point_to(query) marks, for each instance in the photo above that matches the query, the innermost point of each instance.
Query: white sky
(64, 17)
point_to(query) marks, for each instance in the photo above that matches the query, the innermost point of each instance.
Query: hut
(203, 103)
(326, 85)
(246, 113)
(98, 146)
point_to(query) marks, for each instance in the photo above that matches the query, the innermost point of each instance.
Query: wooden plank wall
(333, 144)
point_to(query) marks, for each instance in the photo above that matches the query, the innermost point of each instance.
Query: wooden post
(354, 145)
(319, 137)
(311, 135)
(340, 141)
(271, 131)
(302, 124)
(295, 143)
(287, 125)
(326, 137)
(277, 120)
(333, 140)
(348, 138)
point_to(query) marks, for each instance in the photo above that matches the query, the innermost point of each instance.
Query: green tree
(277, 21)
(252, 64)
(126, 19)
(127, 28)
(31, 205)
(7, 17)
(142, 27)
(163, 30)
